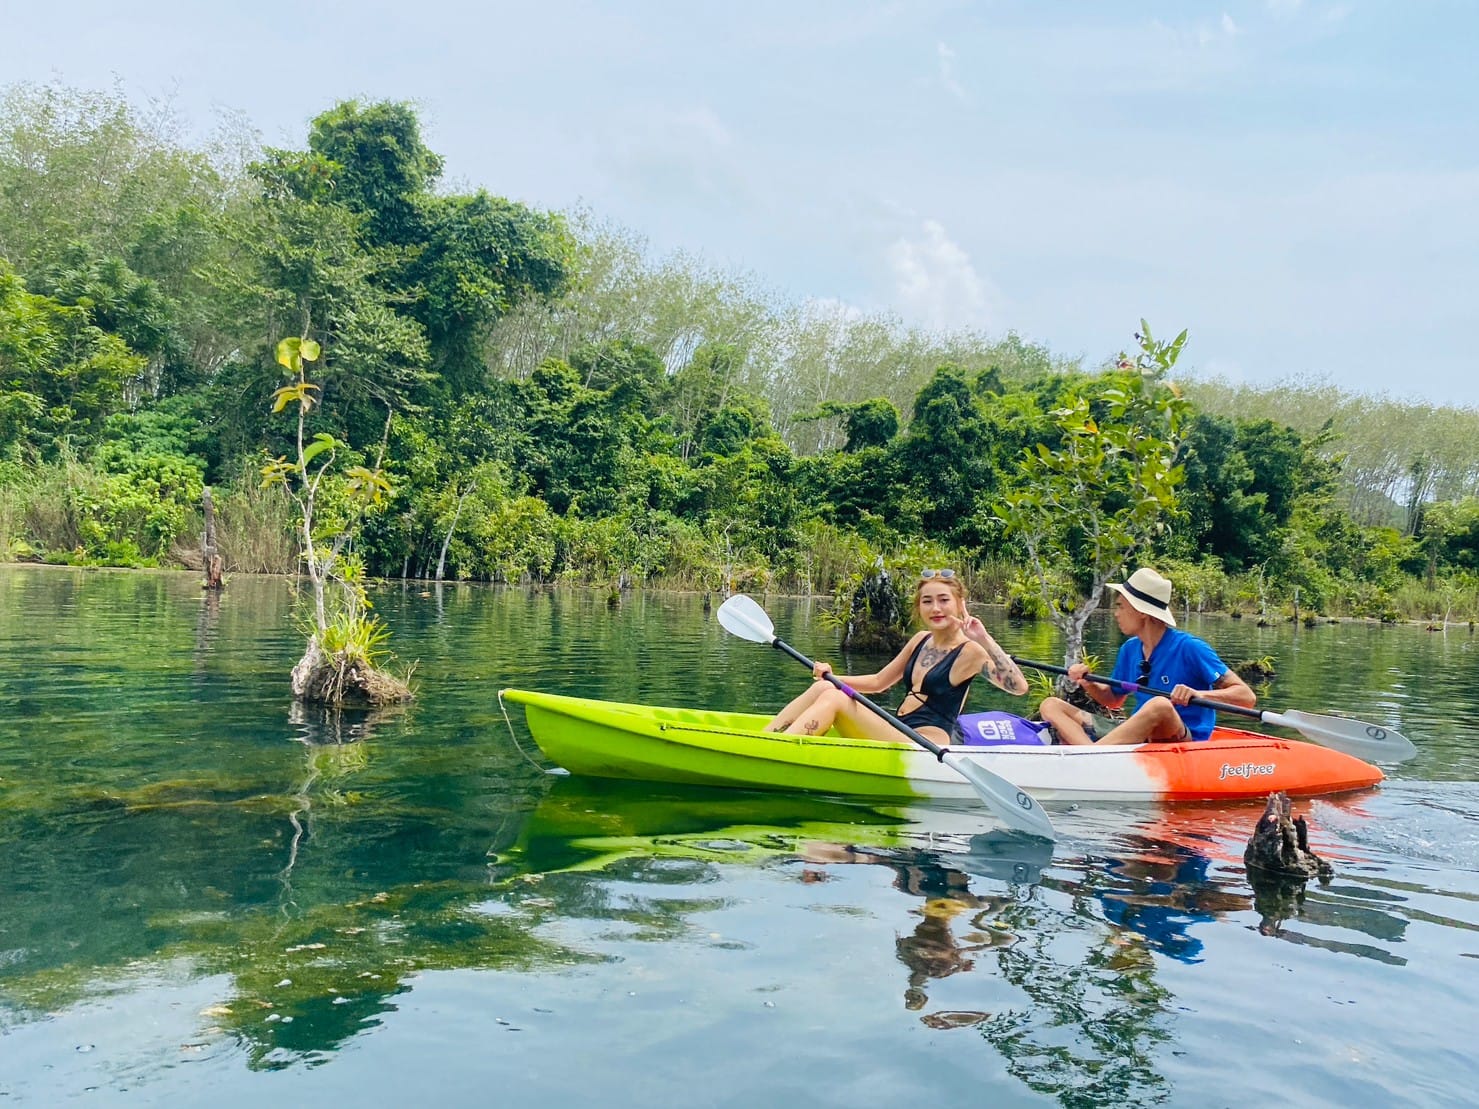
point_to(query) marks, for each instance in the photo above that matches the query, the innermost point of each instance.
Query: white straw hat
(1147, 592)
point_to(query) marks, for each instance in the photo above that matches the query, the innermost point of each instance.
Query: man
(1156, 655)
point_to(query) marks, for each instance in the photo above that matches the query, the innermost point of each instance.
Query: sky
(1294, 181)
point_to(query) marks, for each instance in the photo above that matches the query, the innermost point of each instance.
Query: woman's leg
(834, 709)
(783, 720)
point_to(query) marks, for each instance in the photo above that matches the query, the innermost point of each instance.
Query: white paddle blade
(1354, 737)
(742, 616)
(1015, 806)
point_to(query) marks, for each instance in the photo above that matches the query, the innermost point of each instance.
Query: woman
(939, 664)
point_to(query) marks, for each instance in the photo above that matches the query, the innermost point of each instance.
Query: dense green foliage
(553, 404)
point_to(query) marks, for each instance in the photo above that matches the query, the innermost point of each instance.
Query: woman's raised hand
(820, 670)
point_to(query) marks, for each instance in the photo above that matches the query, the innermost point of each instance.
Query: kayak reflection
(936, 854)
(593, 823)
(943, 880)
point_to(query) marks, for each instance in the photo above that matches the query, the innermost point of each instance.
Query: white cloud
(1226, 28)
(946, 57)
(935, 283)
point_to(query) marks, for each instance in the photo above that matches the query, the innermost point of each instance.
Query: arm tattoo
(1004, 670)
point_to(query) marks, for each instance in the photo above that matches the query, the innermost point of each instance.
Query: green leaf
(323, 441)
(288, 354)
(289, 393)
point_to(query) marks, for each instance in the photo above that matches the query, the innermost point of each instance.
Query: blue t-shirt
(1178, 659)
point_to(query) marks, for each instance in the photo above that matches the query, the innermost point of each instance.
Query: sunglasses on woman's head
(927, 574)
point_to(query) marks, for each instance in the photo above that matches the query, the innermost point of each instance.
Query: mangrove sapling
(1082, 512)
(345, 640)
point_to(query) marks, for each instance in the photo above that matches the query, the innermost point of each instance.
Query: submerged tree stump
(210, 557)
(1256, 671)
(342, 679)
(1279, 863)
(878, 618)
(1280, 844)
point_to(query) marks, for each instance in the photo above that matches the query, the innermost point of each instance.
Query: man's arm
(1233, 690)
(1107, 696)
(1227, 688)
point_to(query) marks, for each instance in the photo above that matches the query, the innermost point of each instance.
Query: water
(206, 899)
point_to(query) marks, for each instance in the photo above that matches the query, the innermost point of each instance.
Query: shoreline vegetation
(541, 401)
(424, 587)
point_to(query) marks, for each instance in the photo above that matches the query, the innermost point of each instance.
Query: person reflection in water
(932, 950)
(1160, 894)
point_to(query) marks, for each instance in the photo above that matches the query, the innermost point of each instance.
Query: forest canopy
(553, 403)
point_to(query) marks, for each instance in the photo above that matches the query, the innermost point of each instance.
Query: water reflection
(933, 950)
(1276, 898)
(1167, 880)
(585, 824)
(1159, 892)
(1081, 1021)
(337, 725)
(165, 814)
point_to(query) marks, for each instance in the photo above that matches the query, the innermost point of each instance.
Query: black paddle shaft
(1134, 687)
(933, 748)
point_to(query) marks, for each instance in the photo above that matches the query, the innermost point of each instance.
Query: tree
(946, 461)
(463, 261)
(60, 376)
(344, 639)
(381, 168)
(479, 256)
(84, 167)
(1083, 511)
(318, 278)
(1243, 480)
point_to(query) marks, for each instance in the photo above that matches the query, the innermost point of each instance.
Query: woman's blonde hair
(953, 583)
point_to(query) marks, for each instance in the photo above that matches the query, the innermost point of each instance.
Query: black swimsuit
(942, 700)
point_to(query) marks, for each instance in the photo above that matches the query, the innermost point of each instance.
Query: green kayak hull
(609, 739)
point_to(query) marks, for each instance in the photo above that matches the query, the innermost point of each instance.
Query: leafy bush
(506, 540)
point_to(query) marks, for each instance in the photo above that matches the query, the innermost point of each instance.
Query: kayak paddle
(1354, 737)
(743, 617)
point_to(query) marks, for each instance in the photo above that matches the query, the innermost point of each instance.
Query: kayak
(608, 739)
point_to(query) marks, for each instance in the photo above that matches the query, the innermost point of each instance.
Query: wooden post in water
(210, 558)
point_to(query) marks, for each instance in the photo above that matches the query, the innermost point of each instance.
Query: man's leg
(1155, 722)
(1069, 724)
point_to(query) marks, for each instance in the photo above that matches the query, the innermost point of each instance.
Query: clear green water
(205, 901)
